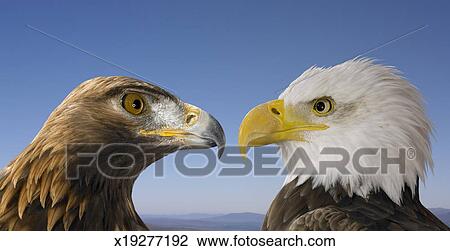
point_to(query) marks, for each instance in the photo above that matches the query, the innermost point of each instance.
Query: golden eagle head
(125, 124)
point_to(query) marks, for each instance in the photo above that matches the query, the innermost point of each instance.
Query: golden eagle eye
(323, 106)
(133, 103)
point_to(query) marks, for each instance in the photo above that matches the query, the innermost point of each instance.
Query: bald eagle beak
(200, 130)
(271, 123)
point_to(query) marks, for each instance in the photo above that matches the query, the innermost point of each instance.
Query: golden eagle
(134, 123)
(332, 115)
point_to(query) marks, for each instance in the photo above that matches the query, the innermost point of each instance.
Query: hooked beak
(200, 130)
(271, 123)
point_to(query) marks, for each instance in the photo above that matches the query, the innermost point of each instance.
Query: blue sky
(224, 56)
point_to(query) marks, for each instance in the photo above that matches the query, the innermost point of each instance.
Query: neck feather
(36, 194)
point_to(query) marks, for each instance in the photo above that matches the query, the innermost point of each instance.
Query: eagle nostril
(191, 118)
(275, 111)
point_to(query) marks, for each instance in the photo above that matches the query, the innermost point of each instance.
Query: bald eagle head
(125, 124)
(351, 106)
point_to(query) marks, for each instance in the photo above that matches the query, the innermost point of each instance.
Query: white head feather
(375, 107)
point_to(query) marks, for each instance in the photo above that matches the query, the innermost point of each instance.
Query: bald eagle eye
(323, 106)
(133, 103)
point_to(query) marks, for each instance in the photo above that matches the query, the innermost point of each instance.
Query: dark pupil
(137, 104)
(320, 106)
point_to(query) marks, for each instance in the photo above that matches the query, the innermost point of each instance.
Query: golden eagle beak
(271, 123)
(200, 130)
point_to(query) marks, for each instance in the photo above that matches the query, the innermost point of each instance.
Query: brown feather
(303, 207)
(72, 200)
(12, 223)
(54, 214)
(82, 208)
(8, 214)
(7, 195)
(32, 191)
(58, 191)
(45, 187)
(68, 219)
(23, 203)
(6, 181)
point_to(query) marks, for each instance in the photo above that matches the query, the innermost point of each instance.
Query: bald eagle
(354, 105)
(45, 188)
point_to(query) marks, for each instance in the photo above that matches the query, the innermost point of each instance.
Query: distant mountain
(239, 217)
(193, 216)
(443, 214)
(233, 221)
(224, 222)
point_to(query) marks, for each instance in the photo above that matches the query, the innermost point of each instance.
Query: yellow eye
(133, 103)
(323, 106)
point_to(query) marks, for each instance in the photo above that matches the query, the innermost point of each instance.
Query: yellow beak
(270, 123)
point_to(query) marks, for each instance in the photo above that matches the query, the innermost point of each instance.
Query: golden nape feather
(46, 188)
